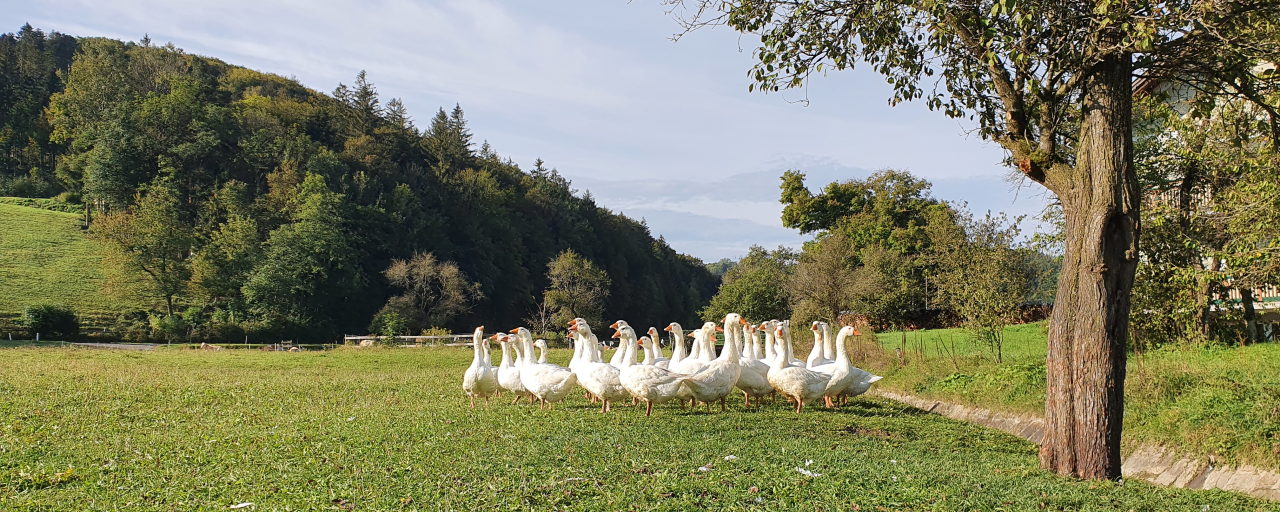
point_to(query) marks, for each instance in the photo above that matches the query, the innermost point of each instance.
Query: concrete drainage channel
(1151, 463)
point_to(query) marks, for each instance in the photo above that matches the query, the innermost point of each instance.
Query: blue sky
(656, 129)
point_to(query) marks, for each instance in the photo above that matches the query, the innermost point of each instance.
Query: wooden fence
(448, 340)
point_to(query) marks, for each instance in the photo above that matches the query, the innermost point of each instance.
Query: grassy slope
(1221, 401)
(45, 257)
(387, 429)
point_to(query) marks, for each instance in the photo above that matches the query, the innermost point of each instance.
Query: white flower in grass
(808, 473)
(730, 457)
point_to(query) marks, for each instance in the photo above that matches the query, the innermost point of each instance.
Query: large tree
(823, 285)
(1051, 82)
(578, 288)
(755, 286)
(436, 290)
(150, 241)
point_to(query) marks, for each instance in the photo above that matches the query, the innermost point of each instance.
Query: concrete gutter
(1152, 463)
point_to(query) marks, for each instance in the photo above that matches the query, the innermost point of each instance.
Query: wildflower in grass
(807, 472)
(730, 457)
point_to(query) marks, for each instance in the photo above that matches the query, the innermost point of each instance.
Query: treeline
(887, 252)
(242, 202)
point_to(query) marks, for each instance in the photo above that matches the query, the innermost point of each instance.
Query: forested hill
(292, 203)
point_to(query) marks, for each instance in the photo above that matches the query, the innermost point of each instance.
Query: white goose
(694, 363)
(508, 370)
(754, 381)
(521, 358)
(506, 359)
(817, 356)
(717, 379)
(798, 383)
(548, 382)
(862, 380)
(828, 343)
(842, 375)
(620, 352)
(659, 360)
(847, 380)
(677, 344)
(542, 350)
(480, 380)
(649, 383)
(600, 379)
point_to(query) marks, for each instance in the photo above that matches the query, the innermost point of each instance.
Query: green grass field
(1223, 401)
(45, 257)
(389, 429)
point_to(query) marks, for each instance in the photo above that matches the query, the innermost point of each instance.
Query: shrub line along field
(389, 429)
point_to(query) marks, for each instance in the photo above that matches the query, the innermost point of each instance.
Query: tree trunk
(1250, 315)
(1084, 405)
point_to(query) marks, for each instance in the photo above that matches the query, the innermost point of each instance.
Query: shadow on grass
(875, 408)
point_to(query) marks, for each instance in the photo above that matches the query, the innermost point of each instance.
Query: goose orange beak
(719, 329)
(667, 328)
(613, 325)
(856, 333)
(743, 321)
(516, 330)
(617, 334)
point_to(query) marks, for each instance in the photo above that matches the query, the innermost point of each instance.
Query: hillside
(275, 209)
(45, 257)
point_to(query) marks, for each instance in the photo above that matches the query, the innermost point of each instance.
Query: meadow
(389, 429)
(45, 257)
(1208, 400)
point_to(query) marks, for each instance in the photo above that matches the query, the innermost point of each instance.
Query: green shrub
(392, 325)
(170, 327)
(50, 320)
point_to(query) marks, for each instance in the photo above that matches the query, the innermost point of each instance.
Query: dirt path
(118, 346)
(1153, 463)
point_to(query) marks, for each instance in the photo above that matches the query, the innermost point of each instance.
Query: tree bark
(1084, 406)
(1250, 315)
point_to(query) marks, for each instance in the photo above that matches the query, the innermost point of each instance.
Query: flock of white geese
(697, 375)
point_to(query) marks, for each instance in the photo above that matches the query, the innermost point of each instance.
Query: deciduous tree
(1051, 82)
(578, 288)
(437, 290)
(151, 240)
(755, 286)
